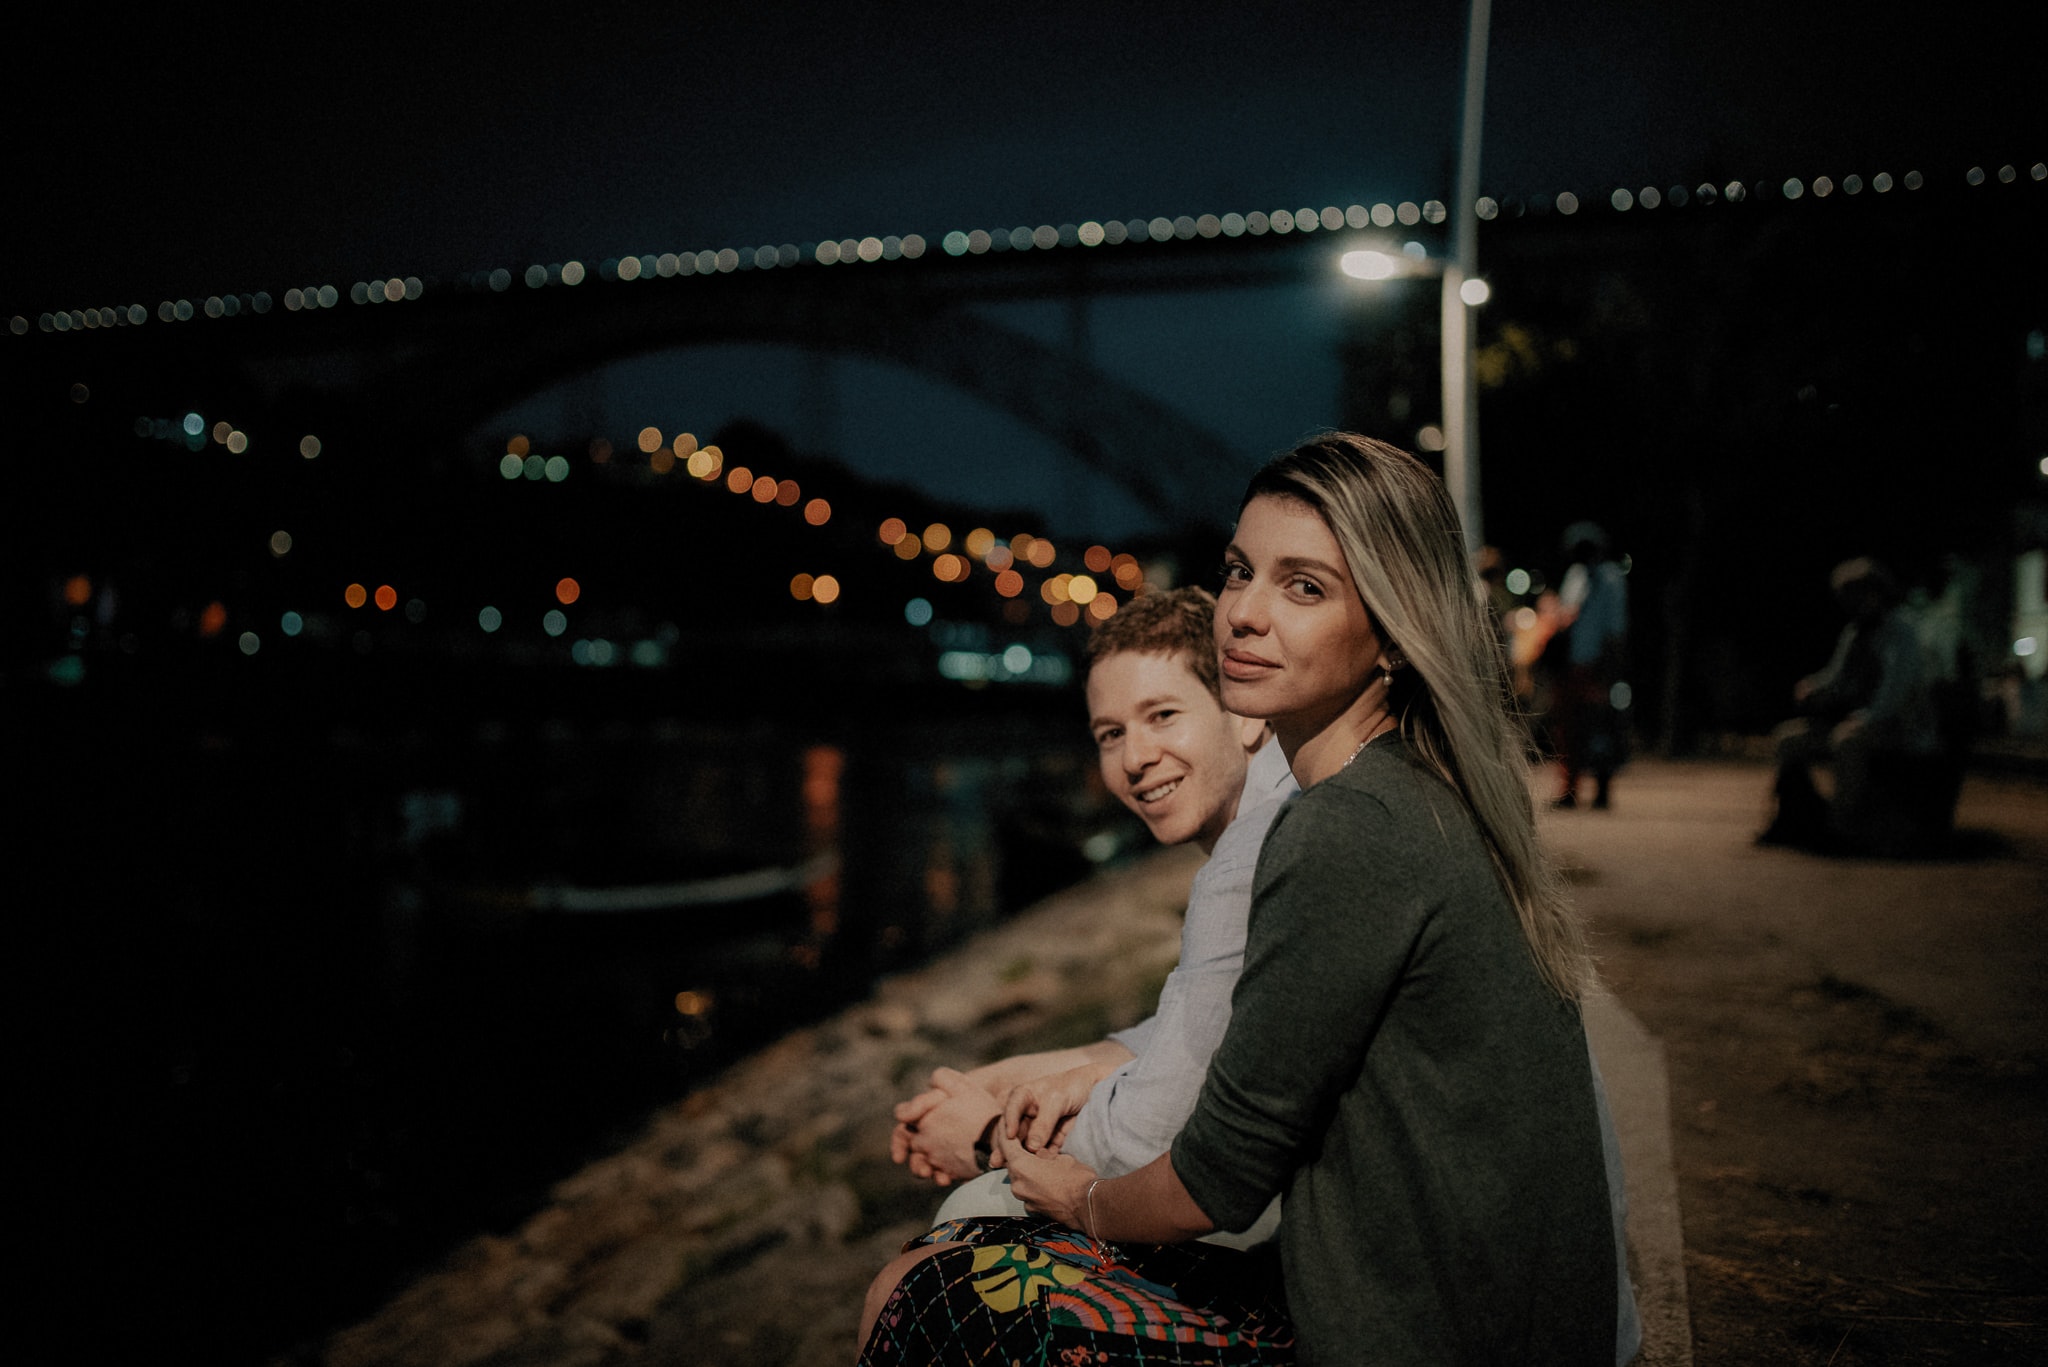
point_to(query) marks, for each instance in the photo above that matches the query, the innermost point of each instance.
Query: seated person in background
(1874, 698)
(1189, 770)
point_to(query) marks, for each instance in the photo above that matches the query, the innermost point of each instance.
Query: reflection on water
(378, 998)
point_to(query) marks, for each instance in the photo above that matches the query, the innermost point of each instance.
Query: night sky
(177, 153)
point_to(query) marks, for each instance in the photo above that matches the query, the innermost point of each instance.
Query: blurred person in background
(1591, 648)
(1874, 701)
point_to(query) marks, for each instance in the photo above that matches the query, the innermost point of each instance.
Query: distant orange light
(1042, 553)
(78, 590)
(213, 619)
(938, 536)
(801, 587)
(1009, 583)
(518, 446)
(355, 595)
(1102, 606)
(600, 451)
(740, 479)
(979, 541)
(908, 547)
(567, 591)
(892, 531)
(662, 461)
(1066, 614)
(817, 512)
(999, 558)
(650, 439)
(1020, 545)
(1096, 558)
(387, 597)
(787, 493)
(948, 568)
(764, 489)
(825, 589)
(685, 445)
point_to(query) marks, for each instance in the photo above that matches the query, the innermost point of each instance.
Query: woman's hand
(1054, 1186)
(1039, 1113)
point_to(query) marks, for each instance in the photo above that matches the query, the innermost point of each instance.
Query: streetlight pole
(1461, 399)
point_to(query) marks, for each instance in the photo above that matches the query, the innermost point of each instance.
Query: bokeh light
(800, 587)
(280, 543)
(739, 479)
(1009, 583)
(213, 619)
(892, 530)
(764, 489)
(1097, 559)
(825, 589)
(817, 512)
(355, 595)
(650, 440)
(387, 598)
(567, 591)
(938, 536)
(908, 547)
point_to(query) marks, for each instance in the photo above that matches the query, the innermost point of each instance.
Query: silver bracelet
(1089, 1200)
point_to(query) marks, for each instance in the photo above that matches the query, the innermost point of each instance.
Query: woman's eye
(1235, 573)
(1105, 739)
(1308, 588)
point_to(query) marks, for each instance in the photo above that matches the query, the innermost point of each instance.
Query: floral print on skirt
(1029, 1292)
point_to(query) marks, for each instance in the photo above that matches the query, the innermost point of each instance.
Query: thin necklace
(1367, 741)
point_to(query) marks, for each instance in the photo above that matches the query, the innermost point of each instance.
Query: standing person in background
(1587, 724)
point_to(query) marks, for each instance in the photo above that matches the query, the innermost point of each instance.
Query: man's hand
(937, 1129)
(1039, 1113)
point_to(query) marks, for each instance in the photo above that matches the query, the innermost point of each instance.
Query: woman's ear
(1252, 733)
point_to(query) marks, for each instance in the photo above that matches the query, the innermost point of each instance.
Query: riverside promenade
(1825, 1074)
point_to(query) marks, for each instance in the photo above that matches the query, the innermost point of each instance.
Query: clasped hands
(1024, 1129)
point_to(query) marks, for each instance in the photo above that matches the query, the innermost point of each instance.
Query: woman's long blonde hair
(1406, 551)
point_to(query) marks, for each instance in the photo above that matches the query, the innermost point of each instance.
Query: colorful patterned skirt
(1030, 1292)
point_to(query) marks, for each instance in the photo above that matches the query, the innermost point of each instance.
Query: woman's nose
(1243, 610)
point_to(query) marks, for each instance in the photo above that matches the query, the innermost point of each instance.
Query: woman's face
(1296, 645)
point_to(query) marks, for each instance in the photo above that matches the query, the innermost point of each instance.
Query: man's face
(1167, 748)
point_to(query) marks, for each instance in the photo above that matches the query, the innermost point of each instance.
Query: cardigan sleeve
(1336, 912)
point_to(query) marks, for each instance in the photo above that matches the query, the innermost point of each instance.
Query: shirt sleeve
(1134, 1113)
(1334, 919)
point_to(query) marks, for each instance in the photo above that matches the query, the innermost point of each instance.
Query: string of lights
(1158, 230)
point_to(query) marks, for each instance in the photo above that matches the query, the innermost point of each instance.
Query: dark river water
(310, 1000)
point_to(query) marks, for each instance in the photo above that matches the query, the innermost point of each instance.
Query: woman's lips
(1242, 664)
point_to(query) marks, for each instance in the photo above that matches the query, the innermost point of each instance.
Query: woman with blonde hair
(1405, 1059)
